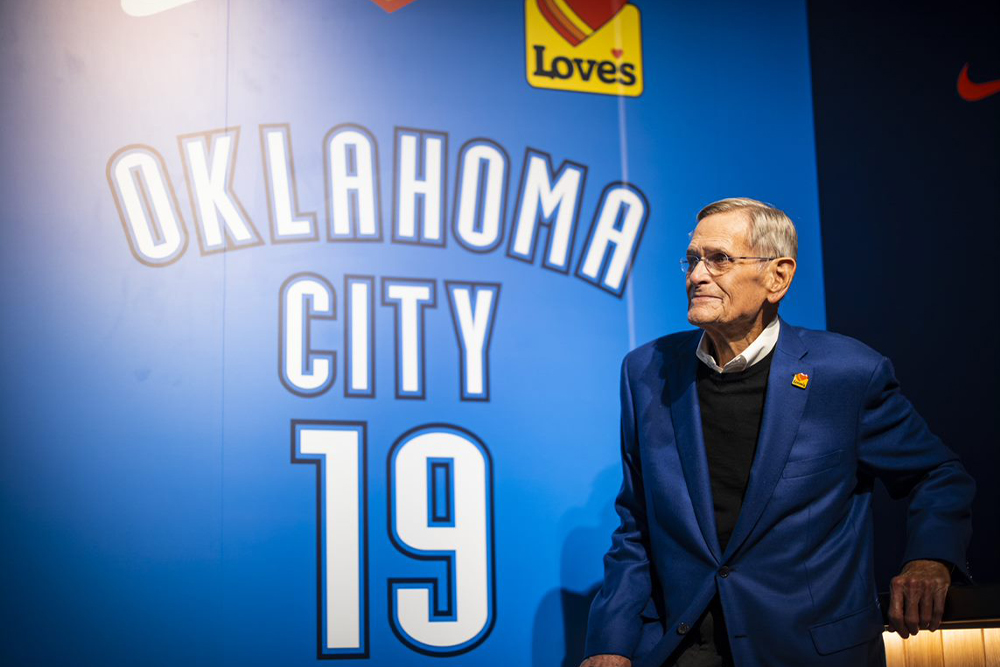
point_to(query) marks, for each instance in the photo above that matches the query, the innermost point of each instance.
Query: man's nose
(699, 273)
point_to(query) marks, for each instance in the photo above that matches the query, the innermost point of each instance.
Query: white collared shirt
(757, 350)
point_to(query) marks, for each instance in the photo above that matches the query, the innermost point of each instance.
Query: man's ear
(779, 278)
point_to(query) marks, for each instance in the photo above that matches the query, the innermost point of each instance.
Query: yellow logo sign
(587, 46)
(800, 380)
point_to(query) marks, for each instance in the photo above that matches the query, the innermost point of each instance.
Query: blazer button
(683, 628)
(724, 571)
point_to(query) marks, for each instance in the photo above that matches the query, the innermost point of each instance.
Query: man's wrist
(915, 562)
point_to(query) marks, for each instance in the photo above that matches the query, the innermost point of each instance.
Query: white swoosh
(150, 7)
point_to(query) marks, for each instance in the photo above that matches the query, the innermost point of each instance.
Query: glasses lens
(717, 262)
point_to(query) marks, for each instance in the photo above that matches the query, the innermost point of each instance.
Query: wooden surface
(991, 638)
(944, 648)
(924, 650)
(963, 648)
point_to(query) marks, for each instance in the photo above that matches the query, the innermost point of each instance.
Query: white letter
(147, 205)
(473, 309)
(351, 184)
(304, 371)
(360, 336)
(410, 298)
(615, 231)
(209, 178)
(477, 227)
(430, 188)
(537, 191)
(287, 223)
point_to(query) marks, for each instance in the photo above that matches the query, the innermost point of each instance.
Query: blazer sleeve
(895, 445)
(615, 624)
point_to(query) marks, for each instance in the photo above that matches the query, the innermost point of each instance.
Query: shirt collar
(755, 352)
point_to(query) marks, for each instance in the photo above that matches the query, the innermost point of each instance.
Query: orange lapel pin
(800, 380)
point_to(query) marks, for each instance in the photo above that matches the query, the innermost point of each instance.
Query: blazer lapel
(783, 407)
(686, 416)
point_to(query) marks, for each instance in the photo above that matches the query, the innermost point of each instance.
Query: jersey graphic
(342, 300)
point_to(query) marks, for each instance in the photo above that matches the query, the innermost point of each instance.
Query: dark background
(909, 185)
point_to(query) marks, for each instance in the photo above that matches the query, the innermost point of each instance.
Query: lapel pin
(800, 380)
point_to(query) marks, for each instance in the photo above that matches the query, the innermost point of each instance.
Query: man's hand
(606, 660)
(918, 594)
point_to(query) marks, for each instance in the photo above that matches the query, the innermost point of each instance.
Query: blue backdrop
(177, 468)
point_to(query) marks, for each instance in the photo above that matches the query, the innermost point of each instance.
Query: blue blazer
(796, 580)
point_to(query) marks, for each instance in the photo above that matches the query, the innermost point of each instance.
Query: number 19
(440, 507)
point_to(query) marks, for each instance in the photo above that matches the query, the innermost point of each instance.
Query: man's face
(736, 296)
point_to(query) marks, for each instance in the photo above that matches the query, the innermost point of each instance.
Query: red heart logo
(576, 20)
(617, 53)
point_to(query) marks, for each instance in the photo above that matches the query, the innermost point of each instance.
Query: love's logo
(577, 20)
(586, 46)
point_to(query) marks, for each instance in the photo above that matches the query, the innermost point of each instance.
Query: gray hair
(772, 233)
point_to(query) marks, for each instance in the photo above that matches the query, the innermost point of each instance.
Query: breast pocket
(811, 466)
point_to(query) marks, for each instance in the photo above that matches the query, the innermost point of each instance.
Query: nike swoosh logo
(970, 91)
(150, 7)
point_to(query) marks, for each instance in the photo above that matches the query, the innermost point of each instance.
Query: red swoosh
(971, 91)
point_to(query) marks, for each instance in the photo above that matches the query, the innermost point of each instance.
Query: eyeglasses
(716, 262)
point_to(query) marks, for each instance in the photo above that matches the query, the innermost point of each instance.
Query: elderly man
(750, 450)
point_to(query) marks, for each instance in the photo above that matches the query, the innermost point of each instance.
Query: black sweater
(731, 408)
